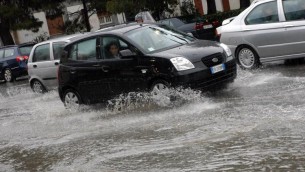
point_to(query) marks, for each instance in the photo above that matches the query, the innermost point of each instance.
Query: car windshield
(156, 38)
(26, 50)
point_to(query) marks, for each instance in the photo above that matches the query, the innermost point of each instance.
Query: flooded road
(256, 124)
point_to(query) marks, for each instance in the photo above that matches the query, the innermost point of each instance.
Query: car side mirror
(190, 34)
(127, 53)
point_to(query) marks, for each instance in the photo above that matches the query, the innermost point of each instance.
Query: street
(255, 124)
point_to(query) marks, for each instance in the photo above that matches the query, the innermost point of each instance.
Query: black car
(13, 61)
(201, 29)
(151, 57)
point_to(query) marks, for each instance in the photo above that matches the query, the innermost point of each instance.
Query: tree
(244, 3)
(134, 6)
(212, 6)
(187, 8)
(17, 14)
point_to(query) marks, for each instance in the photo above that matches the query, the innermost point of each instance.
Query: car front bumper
(202, 79)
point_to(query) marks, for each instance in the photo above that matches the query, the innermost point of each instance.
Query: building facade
(51, 26)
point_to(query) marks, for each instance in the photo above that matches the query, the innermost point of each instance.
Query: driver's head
(139, 18)
(113, 49)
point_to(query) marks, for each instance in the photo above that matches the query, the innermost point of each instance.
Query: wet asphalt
(255, 124)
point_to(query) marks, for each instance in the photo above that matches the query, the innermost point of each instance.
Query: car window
(25, 50)
(1, 54)
(294, 9)
(84, 50)
(57, 49)
(156, 38)
(9, 52)
(42, 53)
(262, 14)
(111, 47)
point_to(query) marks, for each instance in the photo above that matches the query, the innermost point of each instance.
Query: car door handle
(97, 65)
(289, 25)
(105, 68)
(56, 63)
(34, 66)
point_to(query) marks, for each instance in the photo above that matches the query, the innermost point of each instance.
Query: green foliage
(187, 8)
(18, 14)
(221, 16)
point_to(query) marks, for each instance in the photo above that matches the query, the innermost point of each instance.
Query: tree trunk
(211, 7)
(5, 35)
(244, 3)
(86, 17)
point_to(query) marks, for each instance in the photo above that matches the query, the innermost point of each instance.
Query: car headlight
(182, 63)
(226, 48)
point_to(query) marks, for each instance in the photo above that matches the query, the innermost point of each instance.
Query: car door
(56, 48)
(1, 60)
(125, 73)
(83, 68)
(263, 30)
(294, 34)
(41, 66)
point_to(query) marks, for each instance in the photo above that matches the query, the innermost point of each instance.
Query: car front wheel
(247, 58)
(71, 99)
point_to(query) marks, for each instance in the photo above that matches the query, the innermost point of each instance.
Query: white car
(43, 63)
(268, 30)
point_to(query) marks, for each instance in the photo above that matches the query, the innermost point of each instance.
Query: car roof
(66, 38)
(19, 45)
(117, 30)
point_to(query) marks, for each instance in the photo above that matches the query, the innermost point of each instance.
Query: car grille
(213, 60)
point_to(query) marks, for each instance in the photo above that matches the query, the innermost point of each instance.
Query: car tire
(158, 86)
(38, 87)
(71, 99)
(247, 58)
(8, 75)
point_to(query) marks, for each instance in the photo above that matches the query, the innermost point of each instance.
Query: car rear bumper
(205, 79)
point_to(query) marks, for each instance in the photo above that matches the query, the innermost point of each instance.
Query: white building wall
(205, 6)
(234, 4)
(219, 6)
(28, 36)
(121, 18)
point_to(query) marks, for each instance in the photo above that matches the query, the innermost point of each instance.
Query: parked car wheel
(247, 58)
(71, 99)
(8, 75)
(38, 87)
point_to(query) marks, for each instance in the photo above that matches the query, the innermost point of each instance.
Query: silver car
(268, 30)
(43, 63)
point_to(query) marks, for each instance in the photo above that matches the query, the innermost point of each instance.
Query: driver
(114, 51)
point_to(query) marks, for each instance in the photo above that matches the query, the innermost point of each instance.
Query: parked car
(139, 57)
(13, 61)
(43, 64)
(201, 29)
(268, 30)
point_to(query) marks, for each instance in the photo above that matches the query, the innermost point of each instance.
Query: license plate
(208, 26)
(218, 68)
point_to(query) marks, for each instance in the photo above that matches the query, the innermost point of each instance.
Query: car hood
(194, 51)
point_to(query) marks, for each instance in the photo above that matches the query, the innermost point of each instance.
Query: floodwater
(255, 124)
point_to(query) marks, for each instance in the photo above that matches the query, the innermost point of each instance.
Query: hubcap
(246, 58)
(37, 87)
(159, 88)
(8, 75)
(71, 100)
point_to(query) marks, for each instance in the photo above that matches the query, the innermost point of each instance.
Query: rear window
(9, 52)
(84, 50)
(25, 50)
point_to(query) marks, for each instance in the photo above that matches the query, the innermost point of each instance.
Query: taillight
(21, 58)
(198, 26)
